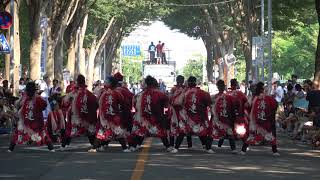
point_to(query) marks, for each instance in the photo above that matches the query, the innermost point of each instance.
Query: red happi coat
(126, 115)
(175, 109)
(196, 103)
(55, 123)
(30, 126)
(262, 120)
(240, 101)
(149, 115)
(83, 112)
(223, 116)
(110, 125)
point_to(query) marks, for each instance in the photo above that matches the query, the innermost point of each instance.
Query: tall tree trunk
(58, 62)
(97, 66)
(79, 45)
(16, 37)
(210, 60)
(51, 44)
(96, 44)
(317, 59)
(36, 8)
(244, 16)
(72, 49)
(60, 14)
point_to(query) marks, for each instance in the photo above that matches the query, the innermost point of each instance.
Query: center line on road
(142, 158)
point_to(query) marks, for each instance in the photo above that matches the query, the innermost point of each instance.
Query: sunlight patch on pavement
(282, 172)
(307, 154)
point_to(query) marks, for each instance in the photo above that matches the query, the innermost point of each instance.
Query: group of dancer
(115, 114)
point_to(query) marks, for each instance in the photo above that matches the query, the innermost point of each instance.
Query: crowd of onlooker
(299, 109)
(8, 112)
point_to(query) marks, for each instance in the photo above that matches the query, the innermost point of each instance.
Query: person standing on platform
(159, 52)
(163, 54)
(152, 53)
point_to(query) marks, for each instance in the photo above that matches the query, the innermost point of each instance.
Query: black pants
(274, 147)
(67, 140)
(231, 142)
(152, 57)
(189, 141)
(245, 146)
(163, 59)
(204, 140)
(13, 145)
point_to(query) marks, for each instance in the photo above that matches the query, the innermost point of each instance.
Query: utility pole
(12, 64)
(104, 62)
(77, 70)
(262, 36)
(270, 42)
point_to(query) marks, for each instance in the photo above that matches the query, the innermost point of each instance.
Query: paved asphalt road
(297, 161)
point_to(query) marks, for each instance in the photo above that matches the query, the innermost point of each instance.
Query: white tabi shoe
(169, 149)
(126, 151)
(174, 151)
(242, 153)
(92, 150)
(133, 149)
(276, 154)
(52, 150)
(210, 151)
(9, 151)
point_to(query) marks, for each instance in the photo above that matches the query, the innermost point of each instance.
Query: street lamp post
(270, 42)
(262, 36)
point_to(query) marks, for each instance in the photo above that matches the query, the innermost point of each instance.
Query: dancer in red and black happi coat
(56, 124)
(30, 126)
(149, 117)
(241, 125)
(223, 116)
(175, 109)
(110, 126)
(262, 120)
(82, 119)
(125, 110)
(196, 104)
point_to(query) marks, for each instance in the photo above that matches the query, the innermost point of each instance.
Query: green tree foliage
(194, 67)
(132, 69)
(288, 14)
(295, 54)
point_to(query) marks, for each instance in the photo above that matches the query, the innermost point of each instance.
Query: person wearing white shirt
(44, 89)
(277, 92)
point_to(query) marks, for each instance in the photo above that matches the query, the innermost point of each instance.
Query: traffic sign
(131, 50)
(4, 45)
(5, 20)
